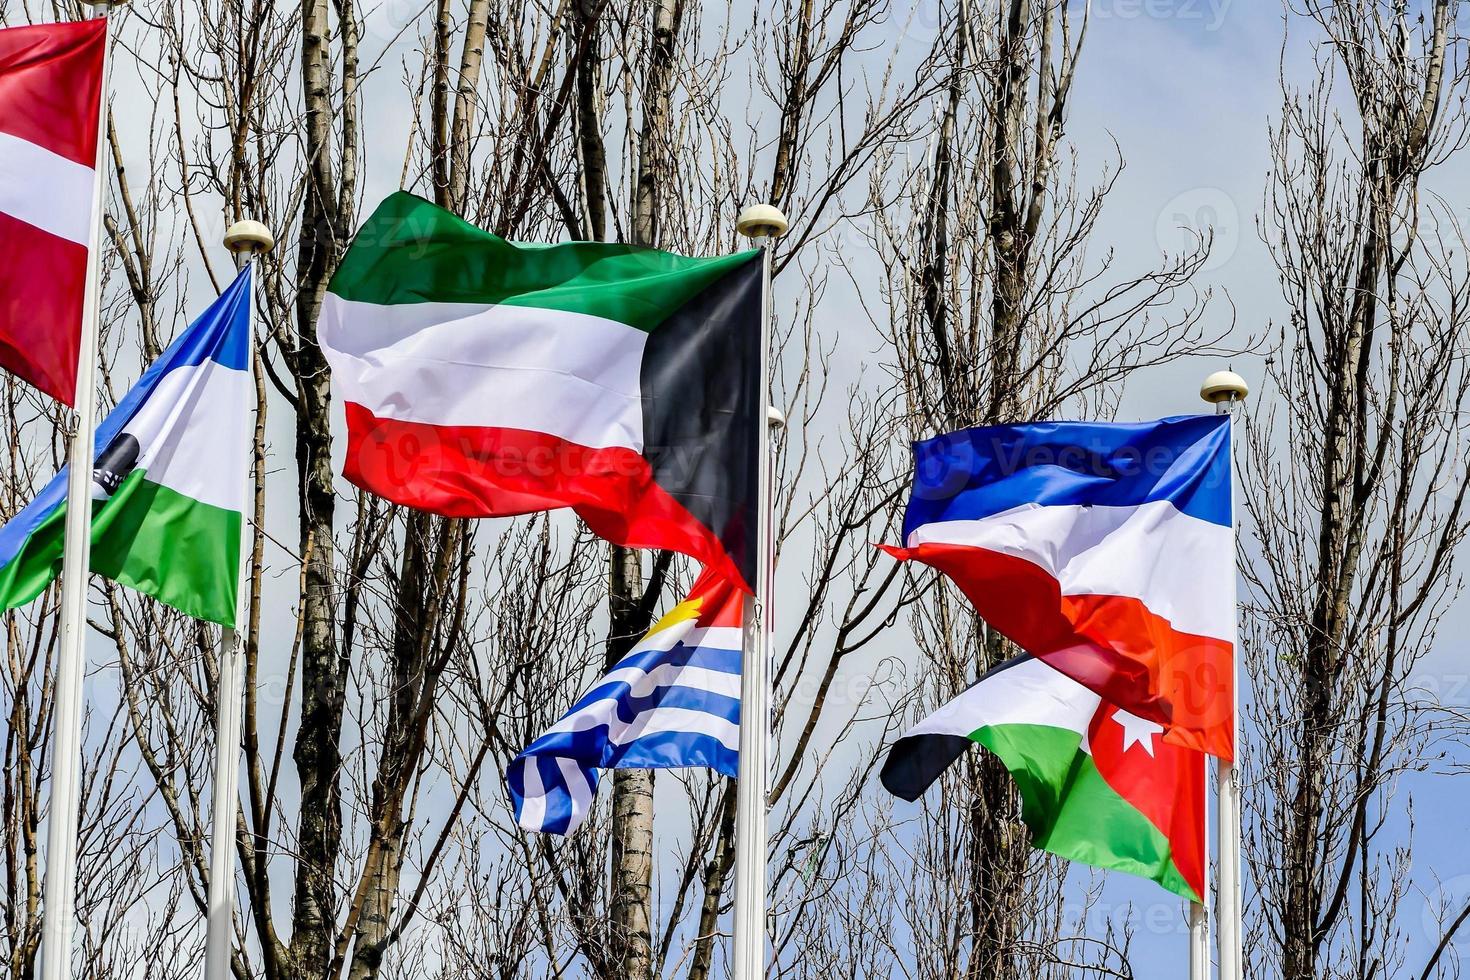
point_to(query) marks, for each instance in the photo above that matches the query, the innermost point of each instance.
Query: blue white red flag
(673, 702)
(1105, 549)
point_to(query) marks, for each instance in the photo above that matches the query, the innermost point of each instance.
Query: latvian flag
(170, 480)
(484, 378)
(673, 702)
(50, 97)
(1106, 550)
(1097, 784)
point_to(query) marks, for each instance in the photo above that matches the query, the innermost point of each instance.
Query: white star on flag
(1137, 730)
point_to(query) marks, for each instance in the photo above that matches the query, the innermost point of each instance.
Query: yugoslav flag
(673, 702)
(483, 378)
(1106, 550)
(50, 97)
(1098, 784)
(170, 480)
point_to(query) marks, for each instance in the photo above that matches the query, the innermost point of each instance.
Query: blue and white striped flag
(673, 702)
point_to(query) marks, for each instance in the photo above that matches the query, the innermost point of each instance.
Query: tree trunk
(631, 912)
(591, 153)
(716, 874)
(325, 222)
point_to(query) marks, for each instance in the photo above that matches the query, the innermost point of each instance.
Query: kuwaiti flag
(485, 378)
(1098, 784)
(1105, 549)
(170, 479)
(50, 97)
(673, 702)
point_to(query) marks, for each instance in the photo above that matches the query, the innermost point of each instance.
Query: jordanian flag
(484, 378)
(170, 480)
(1098, 785)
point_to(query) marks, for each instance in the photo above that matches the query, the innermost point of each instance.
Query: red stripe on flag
(1166, 783)
(721, 604)
(477, 471)
(1113, 645)
(51, 86)
(42, 278)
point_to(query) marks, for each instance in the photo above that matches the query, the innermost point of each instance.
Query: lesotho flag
(169, 483)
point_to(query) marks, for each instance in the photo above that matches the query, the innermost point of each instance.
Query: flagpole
(1224, 389)
(60, 888)
(248, 240)
(762, 224)
(1199, 915)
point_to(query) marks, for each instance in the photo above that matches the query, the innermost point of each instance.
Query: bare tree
(1355, 482)
(998, 314)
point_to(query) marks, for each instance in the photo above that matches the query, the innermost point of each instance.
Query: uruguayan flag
(671, 703)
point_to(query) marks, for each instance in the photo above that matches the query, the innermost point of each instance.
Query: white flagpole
(248, 240)
(1225, 389)
(1199, 912)
(763, 224)
(60, 888)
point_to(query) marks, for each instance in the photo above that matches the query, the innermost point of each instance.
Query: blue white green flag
(170, 481)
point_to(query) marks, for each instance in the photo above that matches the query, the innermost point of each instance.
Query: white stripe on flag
(680, 720)
(47, 191)
(569, 375)
(643, 683)
(709, 637)
(1029, 693)
(603, 711)
(533, 806)
(1180, 567)
(577, 788)
(194, 433)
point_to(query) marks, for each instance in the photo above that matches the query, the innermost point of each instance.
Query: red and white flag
(50, 96)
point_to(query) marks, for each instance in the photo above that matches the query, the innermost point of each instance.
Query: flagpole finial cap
(1224, 386)
(249, 236)
(761, 221)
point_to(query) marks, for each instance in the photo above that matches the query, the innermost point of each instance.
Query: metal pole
(248, 240)
(1225, 389)
(228, 722)
(1199, 912)
(1227, 794)
(71, 658)
(764, 224)
(1199, 942)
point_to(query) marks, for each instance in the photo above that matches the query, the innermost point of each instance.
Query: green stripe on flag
(1073, 813)
(411, 251)
(146, 536)
(36, 564)
(177, 549)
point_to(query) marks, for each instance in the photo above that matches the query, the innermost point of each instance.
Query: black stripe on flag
(701, 408)
(916, 762)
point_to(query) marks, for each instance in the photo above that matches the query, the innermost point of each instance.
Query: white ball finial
(249, 236)
(1224, 386)
(761, 221)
